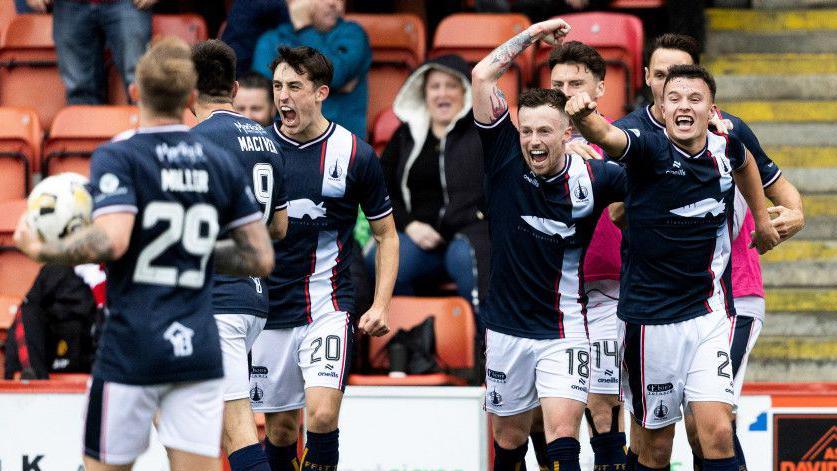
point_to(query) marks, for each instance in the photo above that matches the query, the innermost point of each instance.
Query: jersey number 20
(186, 228)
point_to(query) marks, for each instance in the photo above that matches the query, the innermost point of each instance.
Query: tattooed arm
(248, 253)
(489, 100)
(104, 240)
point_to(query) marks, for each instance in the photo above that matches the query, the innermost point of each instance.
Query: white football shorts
(287, 361)
(667, 366)
(520, 370)
(238, 332)
(119, 418)
(603, 327)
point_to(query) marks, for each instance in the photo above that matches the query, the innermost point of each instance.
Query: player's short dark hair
(215, 63)
(575, 52)
(692, 72)
(258, 81)
(679, 42)
(535, 97)
(306, 61)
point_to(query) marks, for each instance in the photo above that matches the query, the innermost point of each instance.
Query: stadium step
(789, 111)
(813, 180)
(801, 274)
(787, 157)
(811, 325)
(736, 31)
(818, 228)
(793, 359)
(801, 300)
(792, 4)
(776, 87)
(820, 205)
(802, 251)
(796, 134)
(772, 64)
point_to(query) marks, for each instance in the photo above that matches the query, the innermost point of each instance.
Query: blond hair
(166, 77)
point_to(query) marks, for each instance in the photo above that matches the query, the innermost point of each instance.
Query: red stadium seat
(188, 27)
(455, 330)
(385, 125)
(7, 12)
(29, 68)
(627, 4)
(398, 46)
(17, 272)
(10, 212)
(474, 35)
(619, 39)
(20, 147)
(78, 130)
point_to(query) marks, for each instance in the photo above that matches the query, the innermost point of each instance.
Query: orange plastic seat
(385, 126)
(20, 147)
(29, 75)
(7, 12)
(398, 46)
(627, 4)
(454, 328)
(17, 273)
(474, 35)
(188, 27)
(10, 212)
(619, 39)
(78, 130)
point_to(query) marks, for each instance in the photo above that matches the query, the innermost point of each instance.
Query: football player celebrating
(675, 297)
(239, 304)
(788, 218)
(302, 357)
(160, 198)
(544, 206)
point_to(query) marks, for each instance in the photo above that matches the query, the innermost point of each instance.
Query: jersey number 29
(186, 227)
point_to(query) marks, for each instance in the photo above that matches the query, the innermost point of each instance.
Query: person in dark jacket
(434, 172)
(54, 328)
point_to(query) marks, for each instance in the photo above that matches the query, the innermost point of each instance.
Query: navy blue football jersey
(679, 210)
(642, 119)
(326, 179)
(258, 154)
(184, 190)
(540, 229)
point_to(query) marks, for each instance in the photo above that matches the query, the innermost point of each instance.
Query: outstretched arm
(105, 240)
(489, 100)
(594, 127)
(749, 184)
(248, 252)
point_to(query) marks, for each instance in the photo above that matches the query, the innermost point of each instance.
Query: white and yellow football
(59, 205)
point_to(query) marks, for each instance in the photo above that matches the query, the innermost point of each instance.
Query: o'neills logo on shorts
(663, 388)
(497, 376)
(805, 442)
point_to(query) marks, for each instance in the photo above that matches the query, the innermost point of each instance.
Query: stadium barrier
(782, 427)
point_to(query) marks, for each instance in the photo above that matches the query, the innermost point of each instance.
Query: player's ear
(322, 93)
(600, 89)
(191, 100)
(234, 89)
(647, 76)
(133, 92)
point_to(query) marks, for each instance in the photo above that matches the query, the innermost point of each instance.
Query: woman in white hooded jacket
(433, 166)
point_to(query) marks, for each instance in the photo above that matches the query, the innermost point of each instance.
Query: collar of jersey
(686, 154)
(560, 174)
(653, 119)
(232, 113)
(166, 128)
(303, 145)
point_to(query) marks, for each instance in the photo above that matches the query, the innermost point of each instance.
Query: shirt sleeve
(347, 48)
(280, 192)
(500, 143)
(768, 170)
(736, 153)
(637, 145)
(613, 183)
(111, 183)
(373, 196)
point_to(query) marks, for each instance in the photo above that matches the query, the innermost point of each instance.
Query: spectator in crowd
(54, 327)
(255, 98)
(246, 22)
(434, 171)
(319, 24)
(81, 30)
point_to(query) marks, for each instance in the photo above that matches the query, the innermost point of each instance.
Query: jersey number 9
(263, 188)
(186, 227)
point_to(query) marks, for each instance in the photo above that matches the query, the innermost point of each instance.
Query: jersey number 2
(185, 227)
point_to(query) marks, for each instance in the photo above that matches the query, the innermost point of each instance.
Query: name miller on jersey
(257, 144)
(184, 179)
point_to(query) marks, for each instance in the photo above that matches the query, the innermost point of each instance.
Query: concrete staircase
(777, 70)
